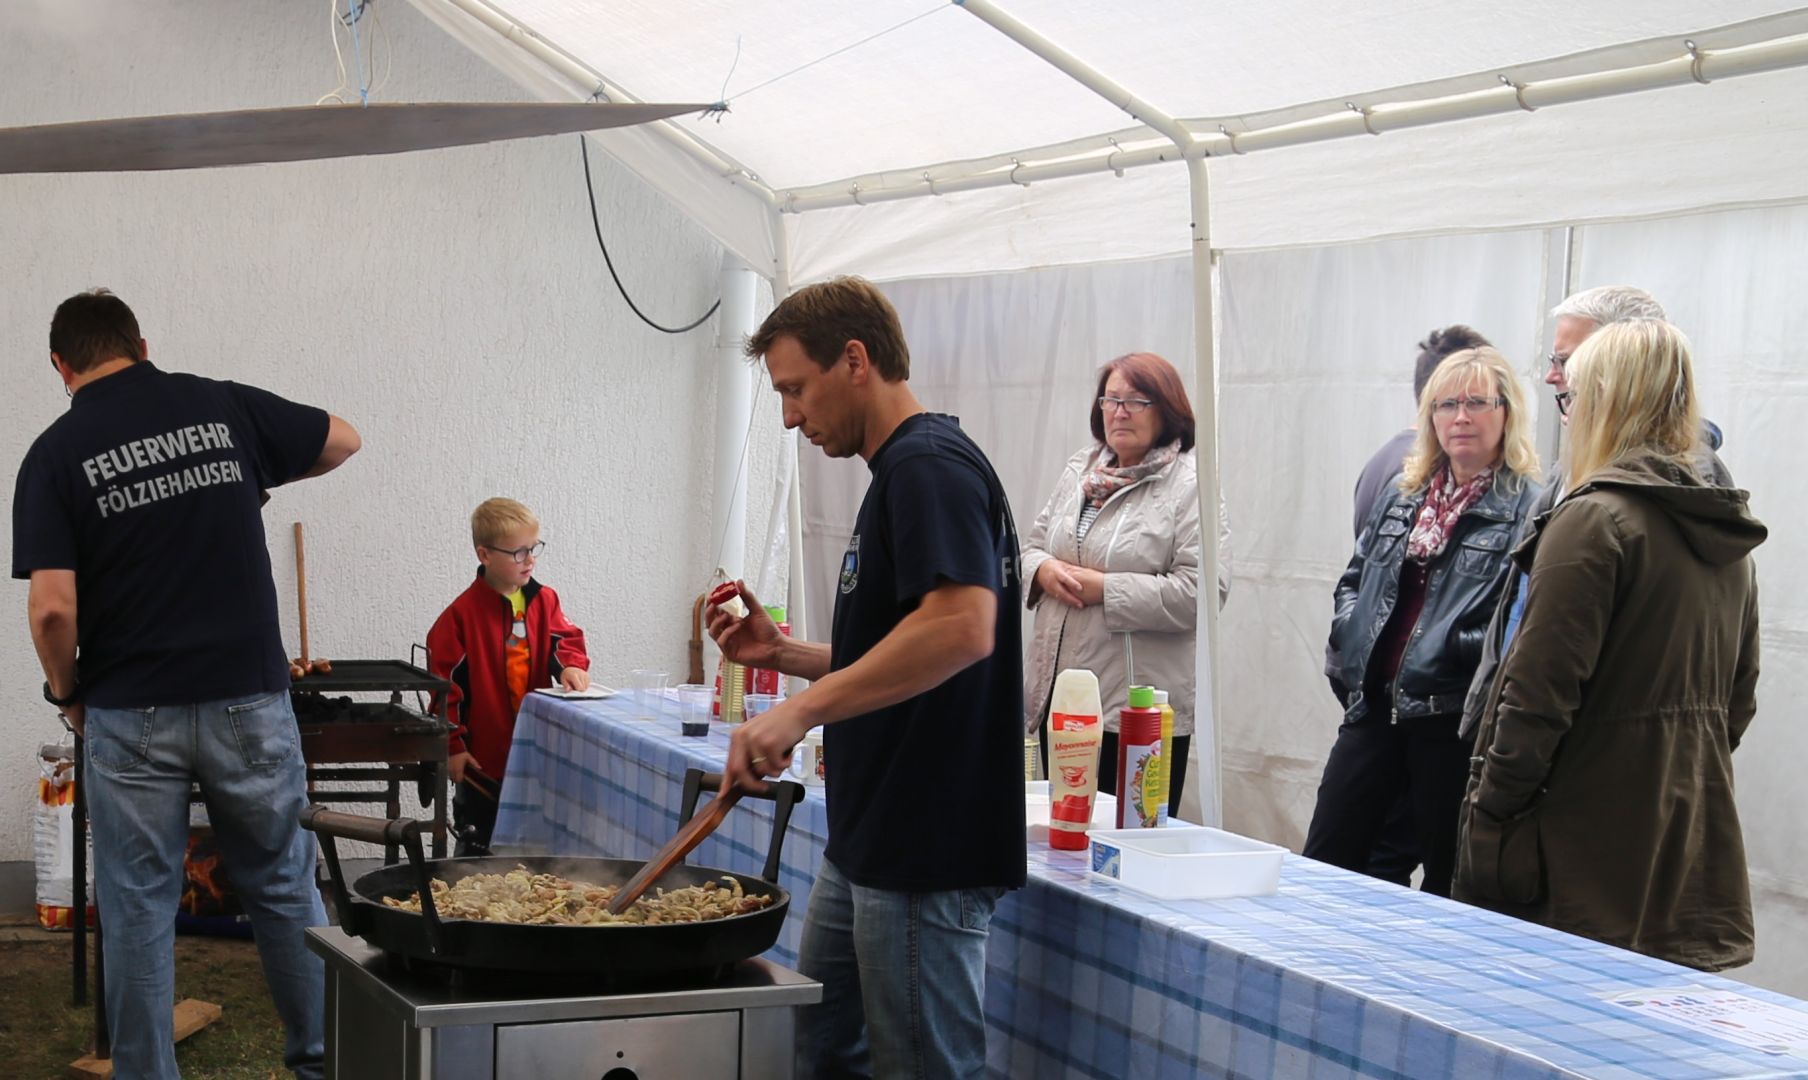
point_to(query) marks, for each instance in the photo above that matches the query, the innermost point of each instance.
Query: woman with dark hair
(1112, 562)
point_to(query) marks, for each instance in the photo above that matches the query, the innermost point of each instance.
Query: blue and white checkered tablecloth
(1337, 975)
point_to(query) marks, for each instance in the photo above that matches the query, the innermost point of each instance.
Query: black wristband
(75, 695)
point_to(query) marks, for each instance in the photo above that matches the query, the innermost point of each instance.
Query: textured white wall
(452, 305)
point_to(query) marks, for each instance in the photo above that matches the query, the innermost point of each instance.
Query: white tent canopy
(1345, 148)
(864, 102)
(905, 139)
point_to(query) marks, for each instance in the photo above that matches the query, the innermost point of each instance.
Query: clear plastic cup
(755, 704)
(648, 689)
(693, 708)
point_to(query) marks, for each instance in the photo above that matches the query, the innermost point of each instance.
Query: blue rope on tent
(354, 11)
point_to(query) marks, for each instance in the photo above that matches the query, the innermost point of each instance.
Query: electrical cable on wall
(597, 224)
(368, 81)
(718, 109)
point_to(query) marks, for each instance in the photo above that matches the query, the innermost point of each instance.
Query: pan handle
(351, 916)
(333, 825)
(783, 794)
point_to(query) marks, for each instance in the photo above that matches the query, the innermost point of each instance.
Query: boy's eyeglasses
(520, 554)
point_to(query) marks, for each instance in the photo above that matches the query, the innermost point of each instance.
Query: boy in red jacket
(503, 636)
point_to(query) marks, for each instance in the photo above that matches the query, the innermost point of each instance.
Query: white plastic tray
(1189, 862)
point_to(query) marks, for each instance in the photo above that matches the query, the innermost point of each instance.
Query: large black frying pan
(608, 951)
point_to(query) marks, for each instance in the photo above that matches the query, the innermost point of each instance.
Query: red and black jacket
(468, 646)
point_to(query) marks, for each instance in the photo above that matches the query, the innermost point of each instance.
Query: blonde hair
(496, 518)
(1634, 383)
(1459, 371)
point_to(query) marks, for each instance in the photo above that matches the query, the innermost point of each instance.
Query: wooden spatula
(675, 850)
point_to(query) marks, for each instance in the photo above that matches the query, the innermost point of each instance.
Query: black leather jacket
(1460, 594)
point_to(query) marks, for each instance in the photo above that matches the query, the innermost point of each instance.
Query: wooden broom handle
(301, 591)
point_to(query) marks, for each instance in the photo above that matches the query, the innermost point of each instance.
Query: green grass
(41, 1032)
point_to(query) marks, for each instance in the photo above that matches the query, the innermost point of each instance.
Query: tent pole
(1077, 70)
(734, 399)
(1205, 359)
(1093, 156)
(796, 600)
(1205, 720)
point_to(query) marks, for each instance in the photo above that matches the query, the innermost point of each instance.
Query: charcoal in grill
(316, 708)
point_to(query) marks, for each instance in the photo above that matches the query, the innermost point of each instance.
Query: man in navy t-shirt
(136, 519)
(921, 690)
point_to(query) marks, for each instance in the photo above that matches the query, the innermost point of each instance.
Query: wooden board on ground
(191, 1016)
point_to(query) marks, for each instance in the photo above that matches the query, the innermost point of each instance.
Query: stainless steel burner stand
(384, 1023)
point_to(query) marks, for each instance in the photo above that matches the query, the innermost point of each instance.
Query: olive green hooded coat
(1601, 799)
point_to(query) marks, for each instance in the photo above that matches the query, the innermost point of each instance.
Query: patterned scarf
(1105, 479)
(1445, 502)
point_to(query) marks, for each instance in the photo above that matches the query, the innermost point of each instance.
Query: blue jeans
(903, 981)
(245, 754)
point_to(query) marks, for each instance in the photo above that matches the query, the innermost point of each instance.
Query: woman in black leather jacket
(1412, 610)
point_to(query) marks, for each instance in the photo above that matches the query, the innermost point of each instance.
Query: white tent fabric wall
(1016, 357)
(1317, 352)
(1734, 282)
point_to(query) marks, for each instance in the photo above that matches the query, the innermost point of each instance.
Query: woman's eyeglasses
(1129, 405)
(1449, 406)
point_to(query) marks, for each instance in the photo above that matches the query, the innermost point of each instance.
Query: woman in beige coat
(1114, 555)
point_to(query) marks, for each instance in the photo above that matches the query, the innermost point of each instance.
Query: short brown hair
(496, 518)
(826, 316)
(1151, 375)
(93, 327)
(1437, 345)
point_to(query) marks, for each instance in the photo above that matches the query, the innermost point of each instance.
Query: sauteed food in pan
(522, 896)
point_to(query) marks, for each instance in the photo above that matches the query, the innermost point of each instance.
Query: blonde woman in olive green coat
(1602, 799)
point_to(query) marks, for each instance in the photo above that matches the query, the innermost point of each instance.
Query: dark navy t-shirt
(927, 795)
(149, 488)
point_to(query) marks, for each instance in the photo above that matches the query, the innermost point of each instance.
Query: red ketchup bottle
(766, 680)
(1138, 760)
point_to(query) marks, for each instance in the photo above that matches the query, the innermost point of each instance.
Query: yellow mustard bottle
(1167, 756)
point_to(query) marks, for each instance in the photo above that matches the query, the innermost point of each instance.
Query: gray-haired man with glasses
(1578, 318)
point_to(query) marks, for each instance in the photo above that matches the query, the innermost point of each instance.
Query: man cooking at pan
(921, 691)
